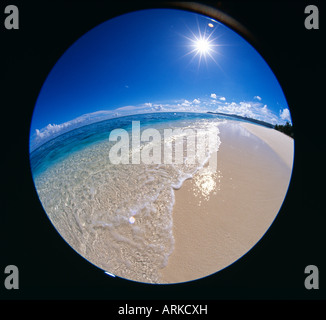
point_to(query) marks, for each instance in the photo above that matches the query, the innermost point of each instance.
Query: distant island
(263, 123)
(286, 129)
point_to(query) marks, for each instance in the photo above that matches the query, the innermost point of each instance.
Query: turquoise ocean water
(117, 216)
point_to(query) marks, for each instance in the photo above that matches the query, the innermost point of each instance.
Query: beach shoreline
(272, 137)
(219, 216)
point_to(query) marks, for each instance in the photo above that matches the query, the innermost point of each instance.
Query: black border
(273, 269)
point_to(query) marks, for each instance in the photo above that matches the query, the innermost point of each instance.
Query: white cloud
(214, 96)
(251, 109)
(255, 110)
(285, 114)
(185, 103)
(53, 130)
(257, 97)
(264, 109)
(126, 108)
(157, 107)
(241, 109)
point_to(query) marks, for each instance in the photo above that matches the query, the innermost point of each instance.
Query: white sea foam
(91, 202)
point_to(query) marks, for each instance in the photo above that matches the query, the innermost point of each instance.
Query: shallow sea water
(119, 216)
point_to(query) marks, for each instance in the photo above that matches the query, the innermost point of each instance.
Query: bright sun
(202, 45)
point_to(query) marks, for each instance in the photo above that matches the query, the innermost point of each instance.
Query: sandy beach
(219, 216)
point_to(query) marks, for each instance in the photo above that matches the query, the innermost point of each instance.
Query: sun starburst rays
(202, 45)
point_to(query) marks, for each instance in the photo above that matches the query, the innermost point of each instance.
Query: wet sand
(219, 216)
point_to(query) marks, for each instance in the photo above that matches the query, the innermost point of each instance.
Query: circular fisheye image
(161, 146)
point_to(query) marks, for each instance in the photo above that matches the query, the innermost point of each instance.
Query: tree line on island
(287, 129)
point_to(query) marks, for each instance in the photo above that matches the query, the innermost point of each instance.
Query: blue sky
(148, 61)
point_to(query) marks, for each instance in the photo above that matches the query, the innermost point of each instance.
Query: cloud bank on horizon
(255, 109)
